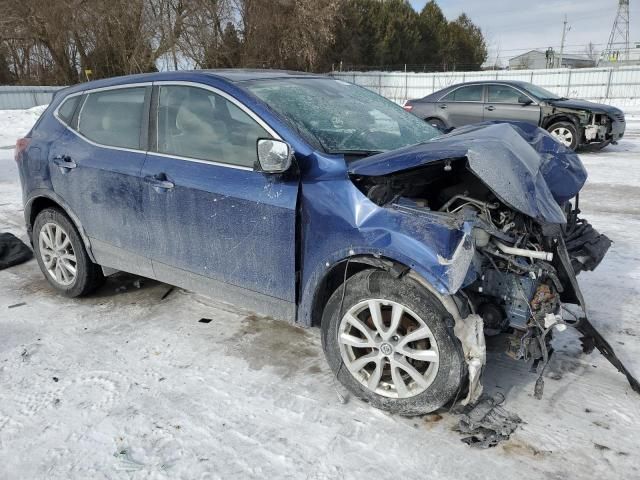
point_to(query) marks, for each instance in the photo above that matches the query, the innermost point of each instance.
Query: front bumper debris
(591, 338)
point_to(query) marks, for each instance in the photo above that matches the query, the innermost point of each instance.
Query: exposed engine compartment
(520, 284)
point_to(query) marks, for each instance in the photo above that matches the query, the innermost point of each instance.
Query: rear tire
(436, 123)
(61, 255)
(404, 359)
(566, 133)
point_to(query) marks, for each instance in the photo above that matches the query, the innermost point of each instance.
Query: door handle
(491, 108)
(159, 182)
(64, 162)
(443, 107)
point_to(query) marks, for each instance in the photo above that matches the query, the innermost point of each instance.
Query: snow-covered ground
(124, 384)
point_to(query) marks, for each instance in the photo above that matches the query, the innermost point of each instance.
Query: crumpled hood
(578, 104)
(521, 163)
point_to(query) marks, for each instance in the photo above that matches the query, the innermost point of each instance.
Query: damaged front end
(516, 266)
(600, 124)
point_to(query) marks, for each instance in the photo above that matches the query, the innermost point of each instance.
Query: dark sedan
(575, 123)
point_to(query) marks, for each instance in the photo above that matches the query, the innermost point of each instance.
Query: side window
(113, 117)
(67, 109)
(503, 94)
(196, 123)
(472, 93)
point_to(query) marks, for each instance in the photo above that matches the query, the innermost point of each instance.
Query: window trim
(75, 109)
(497, 84)
(152, 130)
(94, 90)
(481, 85)
(153, 124)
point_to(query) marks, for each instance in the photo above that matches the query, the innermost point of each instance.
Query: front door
(96, 168)
(503, 104)
(215, 224)
(462, 106)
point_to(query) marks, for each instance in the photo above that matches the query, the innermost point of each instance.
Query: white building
(537, 59)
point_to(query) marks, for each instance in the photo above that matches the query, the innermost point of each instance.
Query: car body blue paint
(261, 231)
(232, 225)
(105, 190)
(339, 222)
(521, 163)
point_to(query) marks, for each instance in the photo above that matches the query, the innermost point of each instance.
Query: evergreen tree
(433, 32)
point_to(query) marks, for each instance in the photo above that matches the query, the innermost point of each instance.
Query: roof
(517, 83)
(229, 75)
(243, 74)
(445, 90)
(527, 53)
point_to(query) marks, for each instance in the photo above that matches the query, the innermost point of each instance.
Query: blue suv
(312, 200)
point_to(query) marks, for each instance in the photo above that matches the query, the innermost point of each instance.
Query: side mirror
(274, 156)
(524, 100)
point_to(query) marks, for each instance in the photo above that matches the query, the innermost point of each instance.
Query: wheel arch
(342, 270)
(43, 200)
(561, 117)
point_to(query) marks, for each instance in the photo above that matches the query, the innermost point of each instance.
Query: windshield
(540, 93)
(341, 117)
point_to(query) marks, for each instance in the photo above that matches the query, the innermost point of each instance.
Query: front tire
(61, 255)
(391, 343)
(566, 133)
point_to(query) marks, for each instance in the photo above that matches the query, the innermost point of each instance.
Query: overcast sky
(512, 27)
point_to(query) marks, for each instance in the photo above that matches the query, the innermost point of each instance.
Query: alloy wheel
(563, 135)
(57, 254)
(388, 348)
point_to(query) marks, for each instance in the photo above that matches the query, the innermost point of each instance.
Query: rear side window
(197, 123)
(67, 109)
(113, 117)
(503, 94)
(472, 93)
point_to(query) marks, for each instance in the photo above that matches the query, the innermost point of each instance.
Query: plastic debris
(487, 423)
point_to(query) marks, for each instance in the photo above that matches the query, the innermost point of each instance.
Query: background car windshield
(540, 92)
(342, 117)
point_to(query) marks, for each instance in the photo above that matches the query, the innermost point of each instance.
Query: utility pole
(564, 37)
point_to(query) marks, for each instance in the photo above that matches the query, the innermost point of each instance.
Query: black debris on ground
(487, 423)
(205, 320)
(13, 251)
(16, 305)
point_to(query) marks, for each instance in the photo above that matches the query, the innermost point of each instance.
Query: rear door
(503, 104)
(462, 106)
(215, 223)
(95, 167)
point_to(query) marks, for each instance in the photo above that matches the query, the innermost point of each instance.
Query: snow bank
(15, 124)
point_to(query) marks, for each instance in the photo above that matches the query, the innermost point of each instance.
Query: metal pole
(564, 36)
(609, 83)
(406, 83)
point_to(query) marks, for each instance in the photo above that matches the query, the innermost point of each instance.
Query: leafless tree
(591, 52)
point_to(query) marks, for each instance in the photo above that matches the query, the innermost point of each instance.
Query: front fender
(438, 252)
